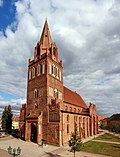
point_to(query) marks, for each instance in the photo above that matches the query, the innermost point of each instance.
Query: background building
(53, 111)
(15, 122)
(100, 119)
(111, 123)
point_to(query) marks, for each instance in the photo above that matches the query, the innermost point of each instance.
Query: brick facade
(52, 111)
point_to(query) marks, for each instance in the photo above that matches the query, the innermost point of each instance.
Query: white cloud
(88, 39)
(15, 104)
(1, 3)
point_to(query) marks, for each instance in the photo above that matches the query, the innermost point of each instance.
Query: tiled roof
(73, 98)
(101, 117)
(115, 117)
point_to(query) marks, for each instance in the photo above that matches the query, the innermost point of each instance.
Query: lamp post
(14, 152)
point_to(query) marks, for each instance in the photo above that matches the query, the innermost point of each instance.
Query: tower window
(35, 93)
(55, 93)
(39, 69)
(55, 71)
(33, 72)
(58, 73)
(30, 75)
(36, 106)
(44, 69)
(60, 76)
(52, 69)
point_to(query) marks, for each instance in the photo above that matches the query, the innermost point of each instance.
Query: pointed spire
(46, 39)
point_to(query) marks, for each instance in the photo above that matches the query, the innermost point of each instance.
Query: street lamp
(15, 151)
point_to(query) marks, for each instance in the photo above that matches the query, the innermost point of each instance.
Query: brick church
(52, 111)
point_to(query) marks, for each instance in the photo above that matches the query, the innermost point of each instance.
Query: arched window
(33, 72)
(35, 106)
(60, 76)
(75, 110)
(58, 73)
(66, 108)
(55, 93)
(55, 71)
(35, 93)
(52, 69)
(30, 72)
(70, 109)
(39, 69)
(44, 68)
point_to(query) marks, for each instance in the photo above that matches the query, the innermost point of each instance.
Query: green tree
(4, 119)
(7, 119)
(75, 142)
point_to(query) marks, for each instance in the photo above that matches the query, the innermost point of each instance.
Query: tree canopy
(75, 142)
(7, 119)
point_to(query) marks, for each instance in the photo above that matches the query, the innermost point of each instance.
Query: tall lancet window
(52, 69)
(44, 68)
(60, 76)
(39, 69)
(30, 74)
(33, 72)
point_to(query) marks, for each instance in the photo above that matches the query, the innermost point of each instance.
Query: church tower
(44, 89)
(52, 111)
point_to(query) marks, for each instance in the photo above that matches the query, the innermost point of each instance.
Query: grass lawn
(101, 148)
(108, 137)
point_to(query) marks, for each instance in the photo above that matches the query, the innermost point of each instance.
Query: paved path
(112, 133)
(30, 149)
(106, 141)
(4, 153)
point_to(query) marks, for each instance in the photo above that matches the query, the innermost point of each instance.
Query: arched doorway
(33, 133)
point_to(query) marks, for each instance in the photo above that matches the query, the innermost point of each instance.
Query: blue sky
(7, 17)
(87, 34)
(7, 14)
(7, 96)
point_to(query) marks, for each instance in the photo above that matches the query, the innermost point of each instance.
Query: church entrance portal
(33, 132)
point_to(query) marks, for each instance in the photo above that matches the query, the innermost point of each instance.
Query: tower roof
(45, 39)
